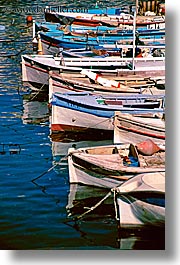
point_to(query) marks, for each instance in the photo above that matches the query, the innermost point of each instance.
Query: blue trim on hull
(95, 105)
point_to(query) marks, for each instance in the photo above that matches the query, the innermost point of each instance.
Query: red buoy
(29, 19)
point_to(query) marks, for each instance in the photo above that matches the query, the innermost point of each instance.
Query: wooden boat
(126, 84)
(95, 31)
(36, 68)
(111, 165)
(138, 127)
(123, 51)
(88, 81)
(140, 201)
(76, 48)
(105, 32)
(119, 34)
(69, 42)
(57, 27)
(78, 41)
(86, 19)
(94, 113)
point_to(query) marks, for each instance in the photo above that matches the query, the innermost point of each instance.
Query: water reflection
(60, 148)
(35, 109)
(83, 198)
(142, 239)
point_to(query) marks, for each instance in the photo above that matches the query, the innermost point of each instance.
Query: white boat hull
(76, 175)
(133, 213)
(138, 129)
(64, 119)
(104, 166)
(124, 136)
(33, 74)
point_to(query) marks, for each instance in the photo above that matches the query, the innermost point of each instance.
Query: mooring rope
(92, 208)
(90, 127)
(39, 90)
(44, 173)
(117, 215)
(51, 168)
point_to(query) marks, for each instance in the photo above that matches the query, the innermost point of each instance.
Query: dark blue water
(34, 192)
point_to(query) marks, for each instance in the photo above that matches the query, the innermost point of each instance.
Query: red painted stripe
(65, 128)
(87, 23)
(144, 133)
(36, 68)
(97, 76)
(71, 128)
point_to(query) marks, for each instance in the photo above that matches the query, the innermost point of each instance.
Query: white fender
(101, 80)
